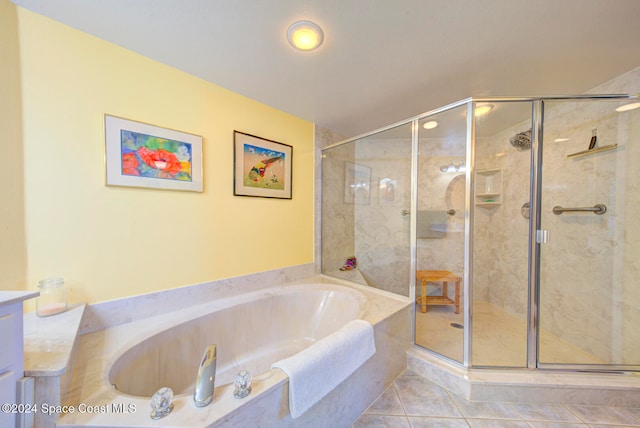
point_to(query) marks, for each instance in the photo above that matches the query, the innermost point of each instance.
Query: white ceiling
(382, 60)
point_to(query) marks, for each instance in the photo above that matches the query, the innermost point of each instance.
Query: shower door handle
(542, 236)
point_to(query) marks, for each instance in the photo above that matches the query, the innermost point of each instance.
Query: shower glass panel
(589, 294)
(500, 231)
(524, 219)
(366, 200)
(440, 227)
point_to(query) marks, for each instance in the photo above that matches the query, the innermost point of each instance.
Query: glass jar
(53, 297)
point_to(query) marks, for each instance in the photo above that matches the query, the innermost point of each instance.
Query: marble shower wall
(323, 138)
(382, 240)
(338, 223)
(584, 278)
(501, 233)
(590, 269)
(366, 221)
(589, 293)
(442, 195)
(439, 192)
(625, 302)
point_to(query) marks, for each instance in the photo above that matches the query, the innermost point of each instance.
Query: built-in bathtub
(251, 334)
(119, 368)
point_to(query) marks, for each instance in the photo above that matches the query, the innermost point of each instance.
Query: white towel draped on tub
(318, 369)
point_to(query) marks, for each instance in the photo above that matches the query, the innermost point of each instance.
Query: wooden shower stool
(443, 276)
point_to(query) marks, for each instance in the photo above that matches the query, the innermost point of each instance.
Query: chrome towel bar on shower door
(405, 213)
(597, 209)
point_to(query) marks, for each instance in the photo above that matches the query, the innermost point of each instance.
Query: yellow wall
(13, 262)
(111, 242)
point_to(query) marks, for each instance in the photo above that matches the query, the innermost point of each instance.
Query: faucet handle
(161, 403)
(242, 384)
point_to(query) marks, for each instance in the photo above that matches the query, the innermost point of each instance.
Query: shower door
(589, 242)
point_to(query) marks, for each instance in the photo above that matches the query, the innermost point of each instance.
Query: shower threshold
(527, 386)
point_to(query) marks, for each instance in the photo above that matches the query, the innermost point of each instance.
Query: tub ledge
(50, 349)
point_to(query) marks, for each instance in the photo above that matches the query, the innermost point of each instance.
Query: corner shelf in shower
(488, 188)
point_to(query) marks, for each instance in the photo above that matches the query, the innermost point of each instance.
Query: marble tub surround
(50, 348)
(268, 402)
(316, 371)
(49, 342)
(249, 331)
(115, 312)
(345, 404)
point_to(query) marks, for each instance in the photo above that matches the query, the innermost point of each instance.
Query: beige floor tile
(604, 415)
(544, 412)
(387, 404)
(428, 405)
(485, 409)
(545, 424)
(496, 423)
(421, 397)
(424, 422)
(611, 426)
(382, 421)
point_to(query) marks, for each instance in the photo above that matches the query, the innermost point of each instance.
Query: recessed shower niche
(488, 188)
(551, 289)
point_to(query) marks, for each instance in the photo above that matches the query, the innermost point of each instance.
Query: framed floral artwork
(262, 167)
(143, 155)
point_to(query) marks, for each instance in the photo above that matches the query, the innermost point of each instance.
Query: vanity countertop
(9, 297)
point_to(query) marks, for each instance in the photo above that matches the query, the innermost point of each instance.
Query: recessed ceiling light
(483, 109)
(305, 35)
(561, 140)
(430, 125)
(628, 107)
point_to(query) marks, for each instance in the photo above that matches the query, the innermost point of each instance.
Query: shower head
(522, 140)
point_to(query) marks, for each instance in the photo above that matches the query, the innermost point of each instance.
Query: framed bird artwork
(262, 168)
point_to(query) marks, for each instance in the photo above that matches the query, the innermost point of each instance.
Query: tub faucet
(203, 394)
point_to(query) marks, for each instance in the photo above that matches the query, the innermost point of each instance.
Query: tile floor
(415, 402)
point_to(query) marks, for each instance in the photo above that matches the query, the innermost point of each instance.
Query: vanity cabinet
(11, 350)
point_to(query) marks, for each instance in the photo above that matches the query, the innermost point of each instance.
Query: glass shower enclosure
(510, 222)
